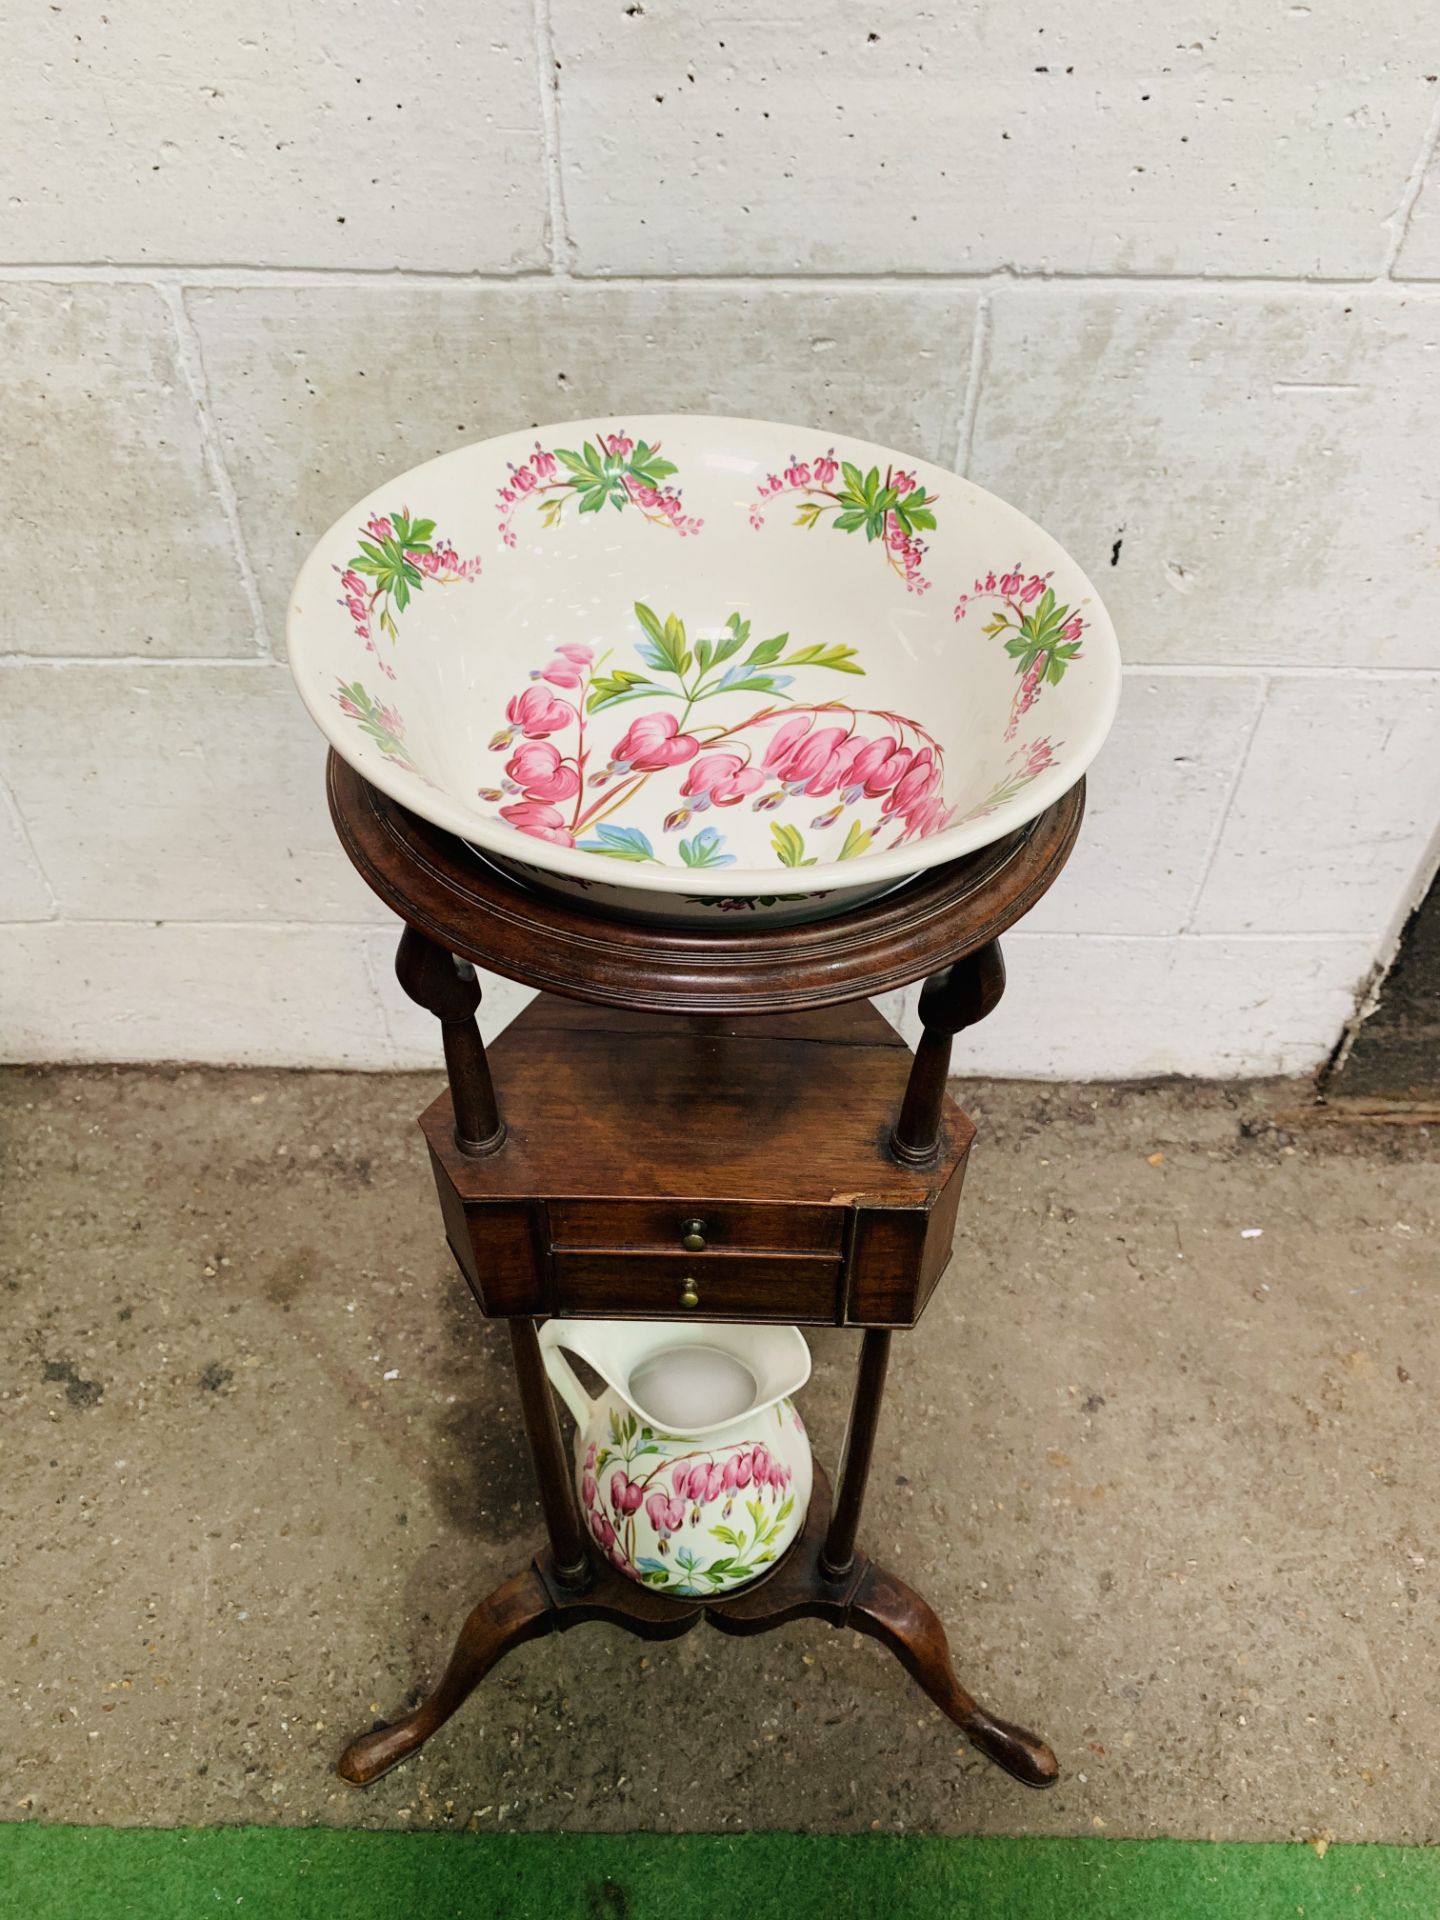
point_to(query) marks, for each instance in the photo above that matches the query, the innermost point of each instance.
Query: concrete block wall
(1168, 281)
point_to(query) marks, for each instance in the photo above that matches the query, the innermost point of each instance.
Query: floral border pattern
(1042, 636)
(613, 470)
(397, 556)
(1023, 766)
(893, 508)
(382, 724)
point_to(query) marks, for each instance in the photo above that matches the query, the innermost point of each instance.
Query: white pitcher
(693, 1468)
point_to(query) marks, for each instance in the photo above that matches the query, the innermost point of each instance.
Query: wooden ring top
(435, 884)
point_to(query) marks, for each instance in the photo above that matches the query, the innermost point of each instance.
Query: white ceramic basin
(687, 665)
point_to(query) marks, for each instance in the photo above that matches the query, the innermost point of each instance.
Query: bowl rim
(506, 843)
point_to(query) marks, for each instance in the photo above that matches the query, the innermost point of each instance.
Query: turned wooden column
(838, 1554)
(949, 1002)
(547, 1450)
(448, 988)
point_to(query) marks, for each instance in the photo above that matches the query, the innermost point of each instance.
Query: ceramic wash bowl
(683, 666)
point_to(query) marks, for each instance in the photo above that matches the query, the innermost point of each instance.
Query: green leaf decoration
(767, 651)
(856, 841)
(647, 465)
(668, 639)
(705, 849)
(609, 689)
(789, 845)
(675, 636)
(1054, 627)
(840, 659)
(599, 698)
(725, 650)
(619, 843)
(752, 683)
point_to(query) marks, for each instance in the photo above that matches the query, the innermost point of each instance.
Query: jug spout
(631, 1355)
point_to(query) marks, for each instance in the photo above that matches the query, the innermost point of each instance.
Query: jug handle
(553, 1336)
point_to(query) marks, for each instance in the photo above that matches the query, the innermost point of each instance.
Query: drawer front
(733, 1226)
(672, 1286)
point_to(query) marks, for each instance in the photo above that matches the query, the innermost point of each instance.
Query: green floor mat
(287, 1873)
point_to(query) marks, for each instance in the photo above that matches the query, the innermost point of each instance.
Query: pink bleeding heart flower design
(538, 770)
(652, 742)
(667, 1516)
(542, 822)
(533, 713)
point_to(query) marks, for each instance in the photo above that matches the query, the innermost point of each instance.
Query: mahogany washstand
(711, 1122)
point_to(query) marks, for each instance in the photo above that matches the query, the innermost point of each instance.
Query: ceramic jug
(692, 1467)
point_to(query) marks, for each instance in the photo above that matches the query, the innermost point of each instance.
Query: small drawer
(728, 1226)
(722, 1286)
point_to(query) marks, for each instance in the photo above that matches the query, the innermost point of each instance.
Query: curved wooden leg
(897, 1617)
(517, 1611)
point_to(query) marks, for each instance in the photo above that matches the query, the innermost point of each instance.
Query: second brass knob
(692, 1235)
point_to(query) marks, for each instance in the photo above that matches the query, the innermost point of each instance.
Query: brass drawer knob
(692, 1235)
(688, 1295)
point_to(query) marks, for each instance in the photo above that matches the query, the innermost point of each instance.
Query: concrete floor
(1172, 1487)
